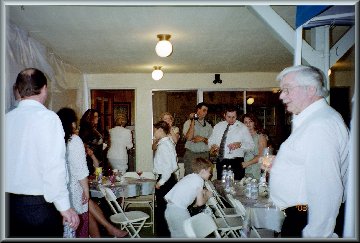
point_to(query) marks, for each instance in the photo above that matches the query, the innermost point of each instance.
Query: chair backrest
(235, 203)
(145, 174)
(214, 204)
(131, 174)
(210, 186)
(148, 175)
(200, 226)
(112, 200)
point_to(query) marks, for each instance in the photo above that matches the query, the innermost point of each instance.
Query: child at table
(189, 189)
(165, 165)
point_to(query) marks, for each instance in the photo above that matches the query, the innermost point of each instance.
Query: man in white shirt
(35, 166)
(309, 175)
(230, 146)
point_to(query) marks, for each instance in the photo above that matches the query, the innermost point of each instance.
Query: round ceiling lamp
(157, 74)
(250, 101)
(163, 48)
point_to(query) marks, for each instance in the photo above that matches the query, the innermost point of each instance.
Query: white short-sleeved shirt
(184, 193)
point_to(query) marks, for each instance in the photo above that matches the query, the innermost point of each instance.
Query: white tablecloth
(130, 187)
(260, 213)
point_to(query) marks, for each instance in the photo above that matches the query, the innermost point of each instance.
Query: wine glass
(230, 148)
(139, 172)
(266, 162)
(112, 179)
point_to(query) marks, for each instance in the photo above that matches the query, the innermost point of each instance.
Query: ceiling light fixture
(163, 47)
(157, 74)
(250, 101)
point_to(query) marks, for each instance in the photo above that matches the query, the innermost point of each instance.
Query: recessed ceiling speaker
(217, 79)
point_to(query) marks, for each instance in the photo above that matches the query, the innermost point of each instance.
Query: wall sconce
(163, 48)
(157, 74)
(329, 72)
(250, 101)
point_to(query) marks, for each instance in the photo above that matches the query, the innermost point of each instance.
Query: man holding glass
(196, 130)
(309, 174)
(229, 140)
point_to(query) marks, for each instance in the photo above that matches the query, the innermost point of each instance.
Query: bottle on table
(231, 175)
(254, 189)
(223, 174)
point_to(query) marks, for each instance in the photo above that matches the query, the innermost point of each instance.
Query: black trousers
(32, 217)
(162, 229)
(239, 171)
(339, 227)
(294, 222)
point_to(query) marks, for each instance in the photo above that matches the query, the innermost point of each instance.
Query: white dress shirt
(311, 167)
(238, 132)
(35, 154)
(165, 159)
(185, 191)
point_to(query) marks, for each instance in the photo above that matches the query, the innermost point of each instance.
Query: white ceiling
(122, 39)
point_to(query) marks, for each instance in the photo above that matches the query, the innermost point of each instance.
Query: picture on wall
(123, 108)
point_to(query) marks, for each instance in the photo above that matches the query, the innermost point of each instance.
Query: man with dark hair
(35, 166)
(229, 141)
(196, 131)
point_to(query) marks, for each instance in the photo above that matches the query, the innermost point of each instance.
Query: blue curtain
(306, 12)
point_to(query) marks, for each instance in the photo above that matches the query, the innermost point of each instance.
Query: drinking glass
(139, 172)
(112, 179)
(266, 162)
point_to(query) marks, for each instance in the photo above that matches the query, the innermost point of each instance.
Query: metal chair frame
(131, 221)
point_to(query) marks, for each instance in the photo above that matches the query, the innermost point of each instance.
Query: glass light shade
(250, 101)
(157, 74)
(163, 48)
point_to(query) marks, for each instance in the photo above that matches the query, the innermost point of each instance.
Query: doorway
(110, 103)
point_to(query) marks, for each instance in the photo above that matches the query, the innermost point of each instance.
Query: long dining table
(128, 187)
(260, 212)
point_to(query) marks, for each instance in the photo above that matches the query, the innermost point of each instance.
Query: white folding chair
(131, 221)
(200, 226)
(239, 207)
(210, 187)
(148, 200)
(228, 225)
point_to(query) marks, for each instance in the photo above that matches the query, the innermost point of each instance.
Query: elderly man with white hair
(308, 177)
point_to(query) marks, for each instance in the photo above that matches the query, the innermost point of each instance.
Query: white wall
(144, 85)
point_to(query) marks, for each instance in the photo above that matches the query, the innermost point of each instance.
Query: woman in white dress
(77, 170)
(120, 141)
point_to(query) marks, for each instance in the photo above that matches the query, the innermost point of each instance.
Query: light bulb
(157, 74)
(250, 101)
(163, 48)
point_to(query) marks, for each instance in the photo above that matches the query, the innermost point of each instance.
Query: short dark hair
(201, 104)
(29, 82)
(230, 108)
(163, 125)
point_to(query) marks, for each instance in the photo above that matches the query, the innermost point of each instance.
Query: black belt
(27, 199)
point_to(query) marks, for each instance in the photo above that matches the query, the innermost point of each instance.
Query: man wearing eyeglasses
(308, 177)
